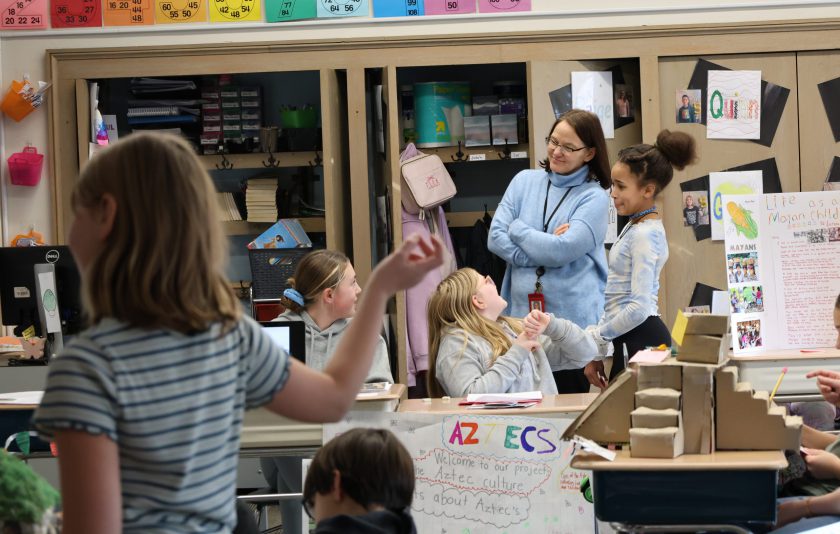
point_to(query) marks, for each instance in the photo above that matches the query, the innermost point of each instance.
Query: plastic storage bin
(25, 167)
(14, 105)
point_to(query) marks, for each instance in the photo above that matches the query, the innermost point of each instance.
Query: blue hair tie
(294, 295)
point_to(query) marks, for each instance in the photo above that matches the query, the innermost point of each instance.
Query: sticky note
(680, 324)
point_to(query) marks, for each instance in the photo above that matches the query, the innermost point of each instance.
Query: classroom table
(762, 369)
(692, 491)
(551, 405)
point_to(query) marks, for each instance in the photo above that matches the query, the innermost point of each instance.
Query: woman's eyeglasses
(554, 144)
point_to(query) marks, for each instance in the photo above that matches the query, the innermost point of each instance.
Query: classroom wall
(24, 52)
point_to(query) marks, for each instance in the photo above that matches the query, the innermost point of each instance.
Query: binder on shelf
(158, 119)
(153, 111)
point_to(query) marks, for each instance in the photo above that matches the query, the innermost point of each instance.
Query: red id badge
(536, 301)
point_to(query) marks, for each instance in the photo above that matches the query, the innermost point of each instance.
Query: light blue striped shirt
(174, 405)
(632, 291)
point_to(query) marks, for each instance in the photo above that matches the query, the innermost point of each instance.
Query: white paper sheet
(729, 183)
(733, 105)
(593, 91)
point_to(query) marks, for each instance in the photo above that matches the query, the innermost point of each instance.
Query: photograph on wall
(742, 267)
(732, 183)
(834, 234)
(748, 334)
(695, 208)
(593, 91)
(689, 106)
(623, 101)
(694, 186)
(561, 100)
(733, 106)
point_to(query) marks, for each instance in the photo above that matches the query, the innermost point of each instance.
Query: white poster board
(734, 104)
(593, 91)
(487, 474)
(730, 183)
(784, 250)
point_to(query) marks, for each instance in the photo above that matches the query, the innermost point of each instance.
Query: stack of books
(228, 208)
(261, 199)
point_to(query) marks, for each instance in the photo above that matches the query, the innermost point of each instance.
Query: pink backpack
(426, 184)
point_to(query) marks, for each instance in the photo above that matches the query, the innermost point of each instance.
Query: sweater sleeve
(499, 241)
(461, 371)
(587, 227)
(569, 346)
(380, 371)
(643, 258)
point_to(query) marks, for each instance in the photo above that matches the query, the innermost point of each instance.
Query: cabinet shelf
(310, 224)
(255, 160)
(490, 153)
(464, 219)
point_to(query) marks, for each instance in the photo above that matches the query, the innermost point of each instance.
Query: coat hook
(459, 156)
(271, 162)
(504, 154)
(226, 163)
(317, 162)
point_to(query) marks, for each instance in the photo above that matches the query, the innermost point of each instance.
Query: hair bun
(679, 148)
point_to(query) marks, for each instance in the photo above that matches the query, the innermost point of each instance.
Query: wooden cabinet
(360, 180)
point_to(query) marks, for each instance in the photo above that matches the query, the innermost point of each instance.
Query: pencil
(778, 383)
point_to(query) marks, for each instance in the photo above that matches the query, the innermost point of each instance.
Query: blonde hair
(451, 306)
(163, 263)
(317, 271)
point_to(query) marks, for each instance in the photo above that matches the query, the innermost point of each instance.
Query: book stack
(169, 105)
(227, 207)
(261, 199)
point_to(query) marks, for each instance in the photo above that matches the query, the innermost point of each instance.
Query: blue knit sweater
(575, 262)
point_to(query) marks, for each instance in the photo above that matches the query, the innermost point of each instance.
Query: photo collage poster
(782, 260)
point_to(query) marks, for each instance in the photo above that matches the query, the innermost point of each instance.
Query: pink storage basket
(25, 167)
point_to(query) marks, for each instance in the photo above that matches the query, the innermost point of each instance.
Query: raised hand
(407, 265)
(828, 382)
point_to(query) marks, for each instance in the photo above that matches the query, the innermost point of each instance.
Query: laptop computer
(288, 335)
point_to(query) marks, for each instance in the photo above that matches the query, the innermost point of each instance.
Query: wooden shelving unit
(461, 219)
(310, 224)
(489, 153)
(256, 160)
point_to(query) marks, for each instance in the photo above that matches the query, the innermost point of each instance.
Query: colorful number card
(180, 11)
(24, 15)
(286, 10)
(344, 8)
(397, 8)
(503, 6)
(235, 11)
(449, 7)
(75, 14)
(127, 12)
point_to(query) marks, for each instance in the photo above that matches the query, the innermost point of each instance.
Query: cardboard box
(746, 422)
(660, 376)
(477, 130)
(650, 418)
(701, 348)
(656, 442)
(658, 398)
(698, 408)
(607, 419)
(699, 323)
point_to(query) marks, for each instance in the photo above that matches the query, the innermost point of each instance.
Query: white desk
(762, 370)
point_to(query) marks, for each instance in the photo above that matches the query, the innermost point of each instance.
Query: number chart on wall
(128, 12)
(24, 14)
(75, 14)
(487, 474)
(180, 11)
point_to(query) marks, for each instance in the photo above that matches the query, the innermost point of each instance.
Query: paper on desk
(650, 356)
(590, 446)
(21, 397)
(374, 389)
(523, 396)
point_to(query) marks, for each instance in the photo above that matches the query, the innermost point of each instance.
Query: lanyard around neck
(557, 207)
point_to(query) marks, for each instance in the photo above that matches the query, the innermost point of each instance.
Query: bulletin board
(692, 260)
(819, 150)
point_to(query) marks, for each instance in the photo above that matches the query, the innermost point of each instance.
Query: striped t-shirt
(174, 404)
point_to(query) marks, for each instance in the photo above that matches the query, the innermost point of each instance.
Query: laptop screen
(288, 335)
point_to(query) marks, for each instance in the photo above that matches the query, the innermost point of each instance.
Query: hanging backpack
(426, 184)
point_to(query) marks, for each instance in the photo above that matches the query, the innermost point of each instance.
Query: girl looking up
(631, 315)
(146, 405)
(473, 349)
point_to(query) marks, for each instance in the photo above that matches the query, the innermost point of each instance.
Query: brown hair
(163, 263)
(451, 306)
(587, 126)
(655, 163)
(317, 271)
(375, 468)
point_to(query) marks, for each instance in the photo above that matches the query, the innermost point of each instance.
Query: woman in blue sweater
(550, 229)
